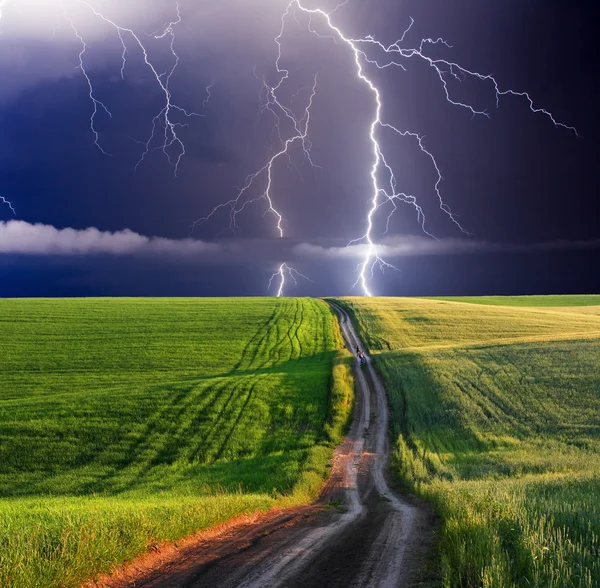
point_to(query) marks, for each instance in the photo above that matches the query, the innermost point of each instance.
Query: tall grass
(504, 439)
(124, 423)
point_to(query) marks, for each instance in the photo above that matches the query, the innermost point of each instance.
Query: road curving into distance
(372, 538)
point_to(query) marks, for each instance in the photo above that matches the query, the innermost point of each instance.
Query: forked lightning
(384, 191)
(164, 135)
(292, 130)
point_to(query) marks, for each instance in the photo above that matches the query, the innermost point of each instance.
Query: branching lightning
(172, 146)
(292, 130)
(384, 191)
(95, 102)
(282, 271)
(442, 68)
(171, 143)
(299, 136)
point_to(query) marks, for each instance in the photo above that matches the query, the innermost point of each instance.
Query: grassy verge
(504, 439)
(124, 423)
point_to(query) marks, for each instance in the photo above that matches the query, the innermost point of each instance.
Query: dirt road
(375, 538)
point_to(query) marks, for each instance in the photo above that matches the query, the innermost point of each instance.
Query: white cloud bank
(19, 237)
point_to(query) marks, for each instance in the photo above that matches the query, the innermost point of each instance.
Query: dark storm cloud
(511, 179)
(38, 42)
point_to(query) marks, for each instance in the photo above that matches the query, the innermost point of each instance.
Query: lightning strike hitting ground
(442, 68)
(8, 203)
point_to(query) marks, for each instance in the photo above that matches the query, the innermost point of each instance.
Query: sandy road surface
(375, 539)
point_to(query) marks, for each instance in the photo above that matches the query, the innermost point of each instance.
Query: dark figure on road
(357, 350)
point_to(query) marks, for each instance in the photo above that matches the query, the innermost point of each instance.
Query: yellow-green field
(496, 421)
(126, 422)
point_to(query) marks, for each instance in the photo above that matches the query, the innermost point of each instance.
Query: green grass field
(126, 422)
(496, 419)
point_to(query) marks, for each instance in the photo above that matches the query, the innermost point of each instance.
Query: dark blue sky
(524, 189)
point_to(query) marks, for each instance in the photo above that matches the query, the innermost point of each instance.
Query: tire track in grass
(219, 420)
(275, 340)
(140, 444)
(238, 419)
(299, 323)
(201, 426)
(264, 356)
(152, 444)
(293, 324)
(287, 336)
(254, 343)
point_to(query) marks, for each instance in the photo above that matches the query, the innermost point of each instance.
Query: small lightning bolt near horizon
(5, 201)
(282, 271)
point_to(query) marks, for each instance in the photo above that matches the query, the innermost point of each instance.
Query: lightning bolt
(171, 144)
(4, 200)
(281, 273)
(95, 102)
(208, 94)
(299, 136)
(443, 69)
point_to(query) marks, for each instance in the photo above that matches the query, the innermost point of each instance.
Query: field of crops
(126, 422)
(496, 418)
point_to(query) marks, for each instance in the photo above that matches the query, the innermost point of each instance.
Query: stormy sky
(86, 223)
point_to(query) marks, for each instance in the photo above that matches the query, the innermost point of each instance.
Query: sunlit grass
(129, 422)
(500, 431)
(571, 300)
